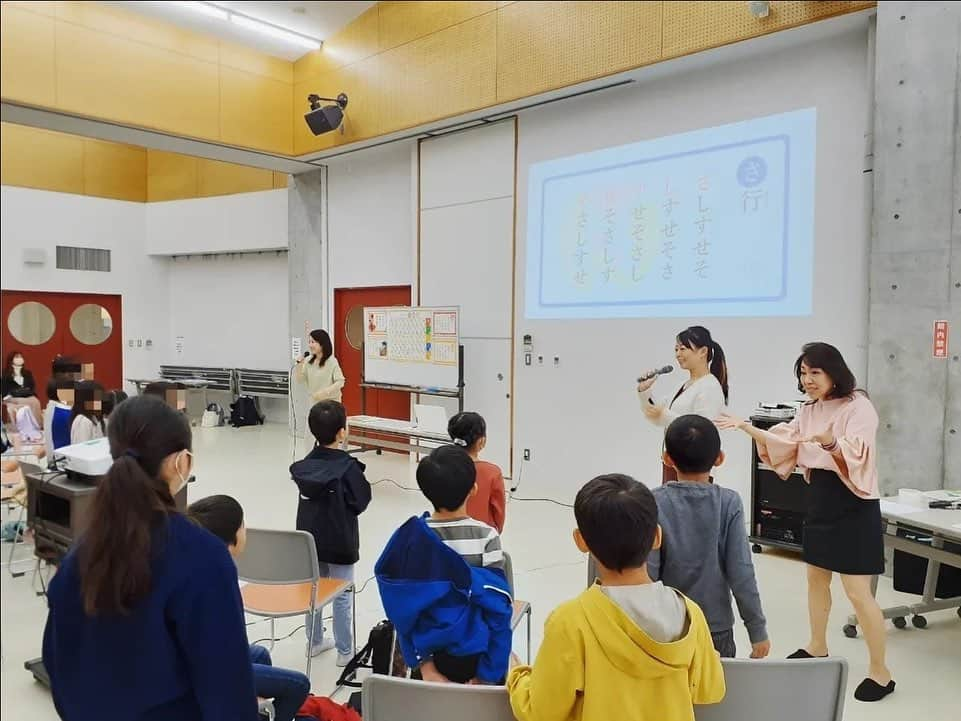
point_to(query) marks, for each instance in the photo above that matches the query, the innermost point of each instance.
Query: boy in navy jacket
(333, 492)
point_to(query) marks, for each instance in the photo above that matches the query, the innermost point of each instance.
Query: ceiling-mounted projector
(324, 118)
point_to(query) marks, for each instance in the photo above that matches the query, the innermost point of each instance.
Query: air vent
(71, 258)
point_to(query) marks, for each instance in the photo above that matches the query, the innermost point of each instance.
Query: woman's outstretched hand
(727, 422)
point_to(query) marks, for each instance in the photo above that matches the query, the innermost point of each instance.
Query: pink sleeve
(856, 433)
(780, 446)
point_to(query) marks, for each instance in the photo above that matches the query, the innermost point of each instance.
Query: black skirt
(842, 532)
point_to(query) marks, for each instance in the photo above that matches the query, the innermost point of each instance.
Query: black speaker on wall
(324, 118)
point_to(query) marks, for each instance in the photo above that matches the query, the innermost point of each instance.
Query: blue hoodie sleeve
(497, 610)
(207, 617)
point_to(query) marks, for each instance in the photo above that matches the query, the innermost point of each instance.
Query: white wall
(43, 219)
(582, 418)
(231, 310)
(227, 223)
(466, 256)
(371, 218)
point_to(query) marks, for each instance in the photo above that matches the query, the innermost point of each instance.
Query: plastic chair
(385, 698)
(283, 579)
(786, 690)
(521, 608)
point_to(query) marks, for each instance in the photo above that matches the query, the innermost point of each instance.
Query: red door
(349, 306)
(85, 326)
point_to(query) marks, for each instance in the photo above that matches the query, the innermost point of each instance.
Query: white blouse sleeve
(708, 401)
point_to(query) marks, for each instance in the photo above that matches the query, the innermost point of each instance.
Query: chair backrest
(509, 572)
(278, 557)
(786, 690)
(385, 698)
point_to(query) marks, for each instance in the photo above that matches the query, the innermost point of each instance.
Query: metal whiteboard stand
(401, 435)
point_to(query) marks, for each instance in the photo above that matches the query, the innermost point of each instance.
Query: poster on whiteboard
(412, 346)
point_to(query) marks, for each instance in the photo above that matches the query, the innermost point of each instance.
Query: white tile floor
(251, 464)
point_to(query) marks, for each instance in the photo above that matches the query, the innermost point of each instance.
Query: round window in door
(91, 324)
(31, 323)
(354, 327)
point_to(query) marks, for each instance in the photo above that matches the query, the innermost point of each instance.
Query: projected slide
(715, 222)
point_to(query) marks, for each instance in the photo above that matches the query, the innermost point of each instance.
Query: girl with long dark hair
(146, 620)
(86, 417)
(833, 440)
(705, 391)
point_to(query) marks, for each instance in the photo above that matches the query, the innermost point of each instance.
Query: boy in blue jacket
(441, 580)
(333, 492)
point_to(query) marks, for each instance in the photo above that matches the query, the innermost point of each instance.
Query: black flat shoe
(801, 653)
(871, 690)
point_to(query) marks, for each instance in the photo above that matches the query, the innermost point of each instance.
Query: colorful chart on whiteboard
(412, 335)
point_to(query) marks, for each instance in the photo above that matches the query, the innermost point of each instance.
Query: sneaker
(318, 648)
(343, 659)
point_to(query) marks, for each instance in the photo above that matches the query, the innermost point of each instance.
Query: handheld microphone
(653, 374)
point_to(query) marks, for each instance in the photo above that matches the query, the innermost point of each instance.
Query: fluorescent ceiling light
(274, 31)
(245, 21)
(205, 9)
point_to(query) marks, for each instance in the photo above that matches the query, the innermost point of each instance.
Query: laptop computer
(431, 418)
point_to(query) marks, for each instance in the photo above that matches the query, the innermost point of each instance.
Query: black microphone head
(306, 353)
(666, 369)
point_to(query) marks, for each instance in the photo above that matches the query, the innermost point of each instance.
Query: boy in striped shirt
(447, 477)
(449, 481)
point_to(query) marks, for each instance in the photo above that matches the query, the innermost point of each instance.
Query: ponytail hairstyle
(697, 336)
(326, 347)
(131, 504)
(467, 429)
(88, 401)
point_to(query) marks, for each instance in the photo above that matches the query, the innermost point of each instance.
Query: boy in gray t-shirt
(705, 552)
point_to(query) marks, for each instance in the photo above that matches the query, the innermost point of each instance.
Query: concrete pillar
(915, 255)
(306, 259)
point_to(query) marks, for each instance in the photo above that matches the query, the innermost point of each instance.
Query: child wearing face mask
(143, 576)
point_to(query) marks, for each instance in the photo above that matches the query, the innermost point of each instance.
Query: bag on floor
(381, 654)
(213, 417)
(323, 708)
(243, 412)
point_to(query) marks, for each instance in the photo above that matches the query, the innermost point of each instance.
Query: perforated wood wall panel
(110, 63)
(547, 45)
(690, 27)
(401, 22)
(417, 87)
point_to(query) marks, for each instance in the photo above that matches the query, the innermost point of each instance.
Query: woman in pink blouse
(832, 439)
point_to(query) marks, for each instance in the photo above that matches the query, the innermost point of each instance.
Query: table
(944, 526)
(373, 433)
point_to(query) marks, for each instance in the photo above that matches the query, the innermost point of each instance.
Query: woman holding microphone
(705, 391)
(320, 371)
(832, 439)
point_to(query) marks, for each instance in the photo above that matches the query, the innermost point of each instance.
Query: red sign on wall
(940, 339)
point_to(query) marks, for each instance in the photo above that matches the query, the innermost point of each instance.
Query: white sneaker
(343, 659)
(318, 648)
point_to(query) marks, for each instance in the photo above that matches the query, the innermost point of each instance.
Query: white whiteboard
(416, 347)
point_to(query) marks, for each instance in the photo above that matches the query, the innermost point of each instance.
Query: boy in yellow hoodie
(628, 648)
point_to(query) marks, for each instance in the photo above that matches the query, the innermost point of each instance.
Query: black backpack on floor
(381, 655)
(243, 412)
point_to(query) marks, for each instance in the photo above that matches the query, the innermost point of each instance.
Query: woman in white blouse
(705, 391)
(321, 373)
